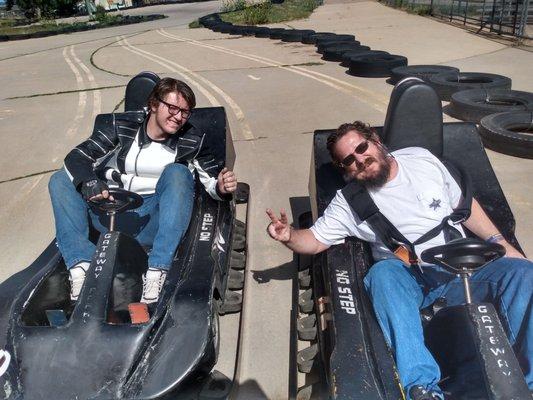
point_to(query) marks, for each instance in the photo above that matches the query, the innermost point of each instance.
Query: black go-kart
(102, 347)
(348, 357)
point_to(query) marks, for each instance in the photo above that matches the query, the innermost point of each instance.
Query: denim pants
(160, 222)
(398, 294)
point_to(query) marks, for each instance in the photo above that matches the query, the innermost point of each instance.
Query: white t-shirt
(416, 200)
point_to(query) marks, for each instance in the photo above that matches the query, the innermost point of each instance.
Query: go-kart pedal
(138, 313)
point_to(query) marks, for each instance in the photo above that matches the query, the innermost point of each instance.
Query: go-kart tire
(474, 104)
(336, 53)
(305, 302)
(235, 280)
(311, 39)
(232, 303)
(239, 242)
(236, 30)
(242, 194)
(218, 27)
(334, 43)
(275, 33)
(307, 328)
(262, 32)
(295, 35)
(337, 38)
(375, 66)
(346, 57)
(306, 358)
(304, 279)
(448, 83)
(424, 72)
(237, 260)
(249, 30)
(504, 133)
(239, 227)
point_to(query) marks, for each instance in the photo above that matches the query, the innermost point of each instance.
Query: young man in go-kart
(156, 159)
(414, 191)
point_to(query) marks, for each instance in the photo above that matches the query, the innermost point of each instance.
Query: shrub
(233, 5)
(257, 13)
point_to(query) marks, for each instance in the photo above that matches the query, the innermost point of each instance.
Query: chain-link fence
(509, 17)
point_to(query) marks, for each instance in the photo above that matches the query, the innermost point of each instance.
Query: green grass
(102, 21)
(267, 13)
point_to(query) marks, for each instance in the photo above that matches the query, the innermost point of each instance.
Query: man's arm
(480, 224)
(298, 240)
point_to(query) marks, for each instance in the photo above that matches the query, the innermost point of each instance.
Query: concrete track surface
(276, 94)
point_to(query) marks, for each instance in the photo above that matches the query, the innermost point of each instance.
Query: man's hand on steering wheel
(95, 190)
(226, 181)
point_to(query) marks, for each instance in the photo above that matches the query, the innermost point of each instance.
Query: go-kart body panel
(97, 353)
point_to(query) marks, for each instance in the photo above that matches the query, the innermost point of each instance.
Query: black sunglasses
(359, 149)
(174, 110)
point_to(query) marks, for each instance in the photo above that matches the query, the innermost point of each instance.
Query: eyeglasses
(175, 110)
(359, 149)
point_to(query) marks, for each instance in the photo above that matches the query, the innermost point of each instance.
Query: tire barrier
(236, 30)
(335, 53)
(331, 38)
(262, 32)
(448, 83)
(275, 33)
(424, 72)
(311, 39)
(325, 45)
(226, 28)
(347, 56)
(508, 133)
(474, 104)
(295, 35)
(375, 66)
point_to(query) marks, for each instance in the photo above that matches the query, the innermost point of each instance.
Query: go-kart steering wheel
(124, 200)
(463, 255)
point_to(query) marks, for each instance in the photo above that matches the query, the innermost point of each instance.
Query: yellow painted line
(195, 79)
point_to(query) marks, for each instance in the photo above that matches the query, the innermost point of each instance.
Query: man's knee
(59, 181)
(520, 270)
(176, 175)
(387, 275)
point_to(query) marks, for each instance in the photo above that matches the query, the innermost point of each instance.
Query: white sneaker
(152, 284)
(77, 277)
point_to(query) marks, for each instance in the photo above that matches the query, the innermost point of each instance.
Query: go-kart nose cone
(5, 359)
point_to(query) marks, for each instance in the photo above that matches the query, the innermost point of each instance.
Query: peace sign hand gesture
(279, 229)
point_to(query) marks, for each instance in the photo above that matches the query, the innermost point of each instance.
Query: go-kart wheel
(124, 200)
(242, 193)
(463, 255)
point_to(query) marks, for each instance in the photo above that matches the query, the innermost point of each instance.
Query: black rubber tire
(311, 39)
(262, 32)
(474, 104)
(249, 31)
(504, 133)
(448, 83)
(337, 38)
(275, 33)
(226, 28)
(346, 57)
(236, 30)
(375, 66)
(295, 35)
(325, 45)
(335, 53)
(218, 27)
(424, 72)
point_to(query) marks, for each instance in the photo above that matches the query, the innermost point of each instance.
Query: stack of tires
(473, 96)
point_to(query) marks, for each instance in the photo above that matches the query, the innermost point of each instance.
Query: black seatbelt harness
(366, 209)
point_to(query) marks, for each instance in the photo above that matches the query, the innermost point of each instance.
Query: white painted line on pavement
(359, 93)
(194, 78)
(82, 96)
(255, 78)
(97, 97)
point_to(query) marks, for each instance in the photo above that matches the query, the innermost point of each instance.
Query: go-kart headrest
(414, 117)
(138, 90)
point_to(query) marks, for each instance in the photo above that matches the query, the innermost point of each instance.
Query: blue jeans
(160, 222)
(398, 294)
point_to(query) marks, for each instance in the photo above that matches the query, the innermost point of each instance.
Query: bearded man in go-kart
(415, 192)
(155, 158)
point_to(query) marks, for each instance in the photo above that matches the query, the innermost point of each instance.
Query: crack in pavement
(109, 45)
(29, 96)
(29, 175)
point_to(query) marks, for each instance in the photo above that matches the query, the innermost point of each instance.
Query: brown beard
(378, 180)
